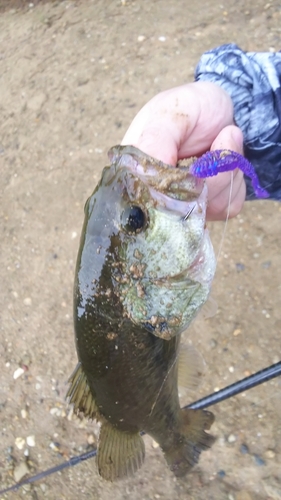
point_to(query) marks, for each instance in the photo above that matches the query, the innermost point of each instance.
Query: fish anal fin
(191, 367)
(120, 453)
(186, 448)
(80, 394)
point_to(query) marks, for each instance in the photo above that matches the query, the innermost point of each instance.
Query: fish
(144, 269)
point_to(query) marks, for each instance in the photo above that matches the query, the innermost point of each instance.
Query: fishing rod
(243, 385)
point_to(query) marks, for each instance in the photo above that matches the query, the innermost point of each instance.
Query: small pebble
(20, 471)
(269, 454)
(231, 438)
(213, 343)
(70, 414)
(244, 449)
(221, 473)
(259, 461)
(266, 264)
(23, 413)
(30, 441)
(27, 301)
(91, 439)
(231, 369)
(162, 38)
(54, 446)
(20, 442)
(56, 411)
(141, 38)
(155, 444)
(240, 267)
(18, 373)
(267, 315)
(236, 332)
(26, 359)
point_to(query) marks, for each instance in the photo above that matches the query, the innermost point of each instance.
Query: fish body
(144, 269)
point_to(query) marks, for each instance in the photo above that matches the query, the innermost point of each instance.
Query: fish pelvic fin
(80, 394)
(184, 453)
(120, 454)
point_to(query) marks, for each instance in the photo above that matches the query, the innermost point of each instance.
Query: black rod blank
(238, 387)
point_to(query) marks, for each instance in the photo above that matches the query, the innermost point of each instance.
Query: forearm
(253, 81)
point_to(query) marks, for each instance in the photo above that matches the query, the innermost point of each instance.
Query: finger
(159, 127)
(229, 198)
(180, 122)
(227, 191)
(230, 137)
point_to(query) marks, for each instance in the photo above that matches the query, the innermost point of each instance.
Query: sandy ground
(72, 77)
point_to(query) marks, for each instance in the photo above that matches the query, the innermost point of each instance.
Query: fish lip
(173, 191)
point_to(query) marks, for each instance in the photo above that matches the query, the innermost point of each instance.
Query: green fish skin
(144, 269)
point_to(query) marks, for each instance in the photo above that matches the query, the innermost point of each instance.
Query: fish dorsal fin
(79, 393)
(120, 453)
(191, 367)
(208, 310)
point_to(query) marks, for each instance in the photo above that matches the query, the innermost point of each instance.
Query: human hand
(188, 121)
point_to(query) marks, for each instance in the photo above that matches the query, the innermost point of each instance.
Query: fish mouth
(173, 188)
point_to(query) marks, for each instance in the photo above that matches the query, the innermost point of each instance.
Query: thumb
(230, 137)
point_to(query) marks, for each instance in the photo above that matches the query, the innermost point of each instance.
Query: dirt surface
(73, 75)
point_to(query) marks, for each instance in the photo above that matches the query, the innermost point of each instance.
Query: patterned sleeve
(253, 81)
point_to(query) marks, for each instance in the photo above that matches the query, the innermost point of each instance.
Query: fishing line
(227, 218)
(243, 385)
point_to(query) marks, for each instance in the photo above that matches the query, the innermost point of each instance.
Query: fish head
(145, 249)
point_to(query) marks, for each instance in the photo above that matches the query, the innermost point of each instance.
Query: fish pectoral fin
(191, 367)
(184, 453)
(120, 453)
(80, 394)
(208, 310)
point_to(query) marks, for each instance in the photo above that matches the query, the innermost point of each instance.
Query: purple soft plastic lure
(222, 160)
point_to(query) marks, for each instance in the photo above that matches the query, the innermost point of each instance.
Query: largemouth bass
(144, 269)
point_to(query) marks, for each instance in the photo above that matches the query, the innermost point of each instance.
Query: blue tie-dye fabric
(253, 81)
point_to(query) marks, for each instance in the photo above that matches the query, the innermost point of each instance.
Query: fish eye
(133, 219)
